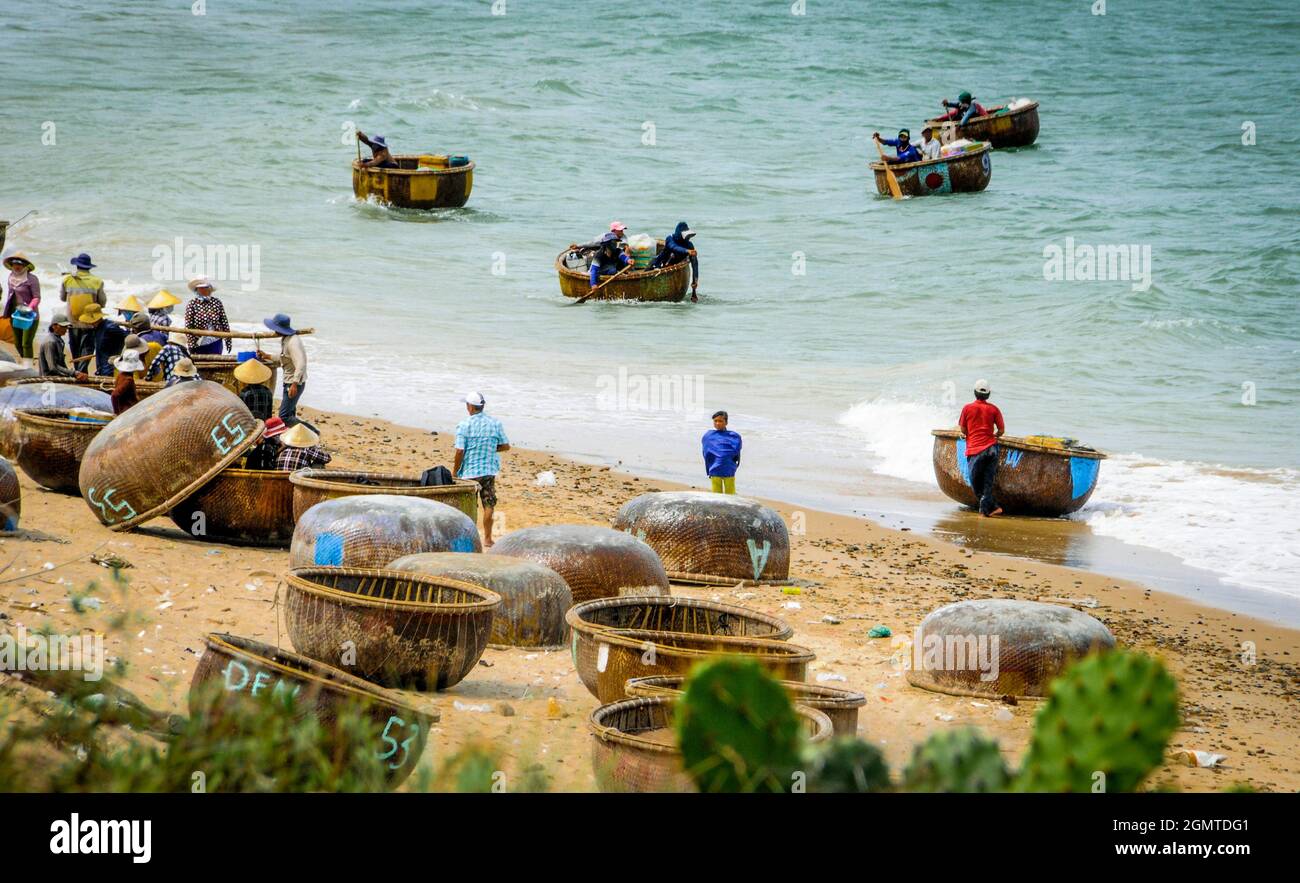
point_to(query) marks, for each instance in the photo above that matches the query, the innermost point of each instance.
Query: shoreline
(858, 574)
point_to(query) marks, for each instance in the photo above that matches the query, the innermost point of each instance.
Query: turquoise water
(229, 128)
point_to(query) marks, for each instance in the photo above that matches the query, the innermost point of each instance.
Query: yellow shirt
(80, 289)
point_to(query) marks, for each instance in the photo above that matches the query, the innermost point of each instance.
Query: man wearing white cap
(53, 356)
(480, 440)
(981, 425)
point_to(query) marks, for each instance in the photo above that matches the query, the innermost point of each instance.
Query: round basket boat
(43, 394)
(1001, 127)
(841, 706)
(235, 669)
(220, 368)
(372, 530)
(596, 562)
(412, 185)
(968, 172)
(251, 507)
(669, 613)
(606, 659)
(1032, 479)
(634, 748)
(534, 598)
(667, 284)
(1001, 647)
(143, 388)
(713, 539)
(405, 629)
(312, 486)
(11, 498)
(53, 442)
(156, 454)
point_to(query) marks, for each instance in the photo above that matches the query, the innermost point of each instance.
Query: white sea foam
(896, 434)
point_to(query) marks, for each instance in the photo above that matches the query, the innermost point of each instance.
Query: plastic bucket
(23, 319)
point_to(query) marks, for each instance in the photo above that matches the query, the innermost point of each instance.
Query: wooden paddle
(894, 190)
(588, 295)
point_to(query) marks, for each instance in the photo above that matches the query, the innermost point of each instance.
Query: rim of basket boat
(298, 578)
(1020, 444)
(907, 166)
(636, 639)
(319, 672)
(707, 579)
(92, 382)
(804, 692)
(607, 733)
(310, 478)
(457, 170)
(636, 275)
(268, 474)
(993, 112)
(574, 614)
(43, 417)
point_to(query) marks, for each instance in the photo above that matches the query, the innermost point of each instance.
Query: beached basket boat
(606, 659)
(143, 388)
(234, 669)
(252, 507)
(667, 284)
(44, 394)
(672, 613)
(157, 453)
(372, 530)
(220, 368)
(1032, 479)
(841, 706)
(407, 629)
(596, 562)
(11, 498)
(312, 486)
(712, 539)
(1001, 647)
(534, 598)
(1000, 127)
(965, 173)
(53, 441)
(412, 185)
(634, 747)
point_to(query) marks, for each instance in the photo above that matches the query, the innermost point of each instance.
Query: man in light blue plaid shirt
(480, 440)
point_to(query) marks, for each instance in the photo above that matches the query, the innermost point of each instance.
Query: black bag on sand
(438, 475)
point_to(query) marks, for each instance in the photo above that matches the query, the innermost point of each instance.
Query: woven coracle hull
(413, 187)
(235, 669)
(534, 598)
(840, 706)
(1001, 647)
(11, 497)
(965, 173)
(1031, 479)
(1016, 128)
(157, 453)
(221, 369)
(241, 506)
(595, 562)
(312, 486)
(667, 284)
(404, 629)
(372, 530)
(94, 383)
(634, 745)
(52, 446)
(669, 613)
(607, 659)
(43, 394)
(710, 537)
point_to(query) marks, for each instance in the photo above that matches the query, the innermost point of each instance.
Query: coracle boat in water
(1036, 476)
(967, 172)
(419, 182)
(667, 284)
(1001, 127)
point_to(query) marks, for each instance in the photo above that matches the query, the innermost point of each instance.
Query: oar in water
(588, 295)
(894, 190)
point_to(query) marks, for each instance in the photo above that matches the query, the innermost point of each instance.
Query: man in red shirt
(981, 424)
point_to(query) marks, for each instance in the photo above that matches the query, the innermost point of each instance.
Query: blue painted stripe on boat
(329, 550)
(961, 461)
(1083, 475)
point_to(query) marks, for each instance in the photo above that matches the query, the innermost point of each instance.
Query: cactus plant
(963, 760)
(1104, 726)
(848, 766)
(737, 729)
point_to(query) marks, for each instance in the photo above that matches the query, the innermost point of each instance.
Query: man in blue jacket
(907, 151)
(677, 248)
(721, 455)
(608, 259)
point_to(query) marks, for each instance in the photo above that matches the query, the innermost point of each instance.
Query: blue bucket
(23, 319)
(457, 161)
(245, 355)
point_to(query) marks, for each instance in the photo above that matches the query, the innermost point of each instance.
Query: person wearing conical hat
(184, 372)
(205, 312)
(300, 449)
(160, 313)
(252, 376)
(129, 308)
(24, 297)
(79, 290)
(163, 367)
(263, 454)
(127, 364)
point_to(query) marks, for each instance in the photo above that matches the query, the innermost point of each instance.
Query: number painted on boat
(403, 746)
(225, 436)
(110, 507)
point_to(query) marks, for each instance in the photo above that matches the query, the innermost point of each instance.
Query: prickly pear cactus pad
(847, 766)
(957, 761)
(737, 729)
(1104, 726)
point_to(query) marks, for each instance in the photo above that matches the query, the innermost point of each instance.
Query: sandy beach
(855, 575)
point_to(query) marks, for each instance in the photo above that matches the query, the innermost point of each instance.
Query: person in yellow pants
(721, 448)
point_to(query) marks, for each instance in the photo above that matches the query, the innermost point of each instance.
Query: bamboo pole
(242, 335)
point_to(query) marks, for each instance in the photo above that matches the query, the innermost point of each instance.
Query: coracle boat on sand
(667, 284)
(419, 182)
(52, 443)
(967, 172)
(246, 507)
(143, 388)
(312, 486)
(1001, 127)
(1033, 478)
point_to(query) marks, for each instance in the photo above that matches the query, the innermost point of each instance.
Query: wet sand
(858, 575)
